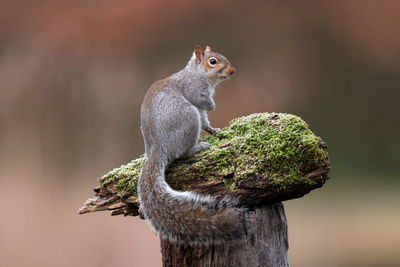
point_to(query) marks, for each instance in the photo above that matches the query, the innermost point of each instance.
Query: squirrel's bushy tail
(184, 217)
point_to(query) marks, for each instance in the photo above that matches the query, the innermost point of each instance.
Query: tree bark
(266, 245)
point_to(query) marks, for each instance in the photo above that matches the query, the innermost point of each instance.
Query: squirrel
(173, 113)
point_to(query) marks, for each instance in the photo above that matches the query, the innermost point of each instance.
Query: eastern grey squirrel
(173, 113)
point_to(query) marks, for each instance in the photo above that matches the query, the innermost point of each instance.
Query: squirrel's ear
(198, 53)
(208, 48)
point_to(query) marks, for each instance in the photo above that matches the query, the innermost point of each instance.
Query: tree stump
(267, 245)
(260, 160)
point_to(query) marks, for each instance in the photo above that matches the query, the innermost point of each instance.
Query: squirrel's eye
(212, 61)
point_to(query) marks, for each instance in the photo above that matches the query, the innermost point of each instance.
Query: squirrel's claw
(212, 130)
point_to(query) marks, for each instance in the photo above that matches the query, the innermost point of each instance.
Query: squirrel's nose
(231, 70)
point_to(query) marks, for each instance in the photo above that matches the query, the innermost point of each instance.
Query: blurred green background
(73, 75)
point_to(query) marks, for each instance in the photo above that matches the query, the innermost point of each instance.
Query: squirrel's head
(214, 65)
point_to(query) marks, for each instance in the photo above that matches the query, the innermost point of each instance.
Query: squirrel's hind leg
(197, 148)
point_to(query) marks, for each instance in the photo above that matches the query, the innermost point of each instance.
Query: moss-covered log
(259, 159)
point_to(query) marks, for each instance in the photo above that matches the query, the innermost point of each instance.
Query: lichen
(277, 146)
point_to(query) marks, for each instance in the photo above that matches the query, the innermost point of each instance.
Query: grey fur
(172, 115)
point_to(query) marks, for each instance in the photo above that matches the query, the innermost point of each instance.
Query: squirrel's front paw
(212, 130)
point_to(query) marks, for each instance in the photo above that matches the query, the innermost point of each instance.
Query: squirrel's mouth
(224, 76)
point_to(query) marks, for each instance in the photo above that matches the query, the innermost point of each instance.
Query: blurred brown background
(73, 75)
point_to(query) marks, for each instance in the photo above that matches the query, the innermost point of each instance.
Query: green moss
(278, 147)
(124, 177)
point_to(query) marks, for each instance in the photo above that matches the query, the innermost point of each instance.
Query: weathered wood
(245, 162)
(259, 160)
(266, 246)
(253, 193)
